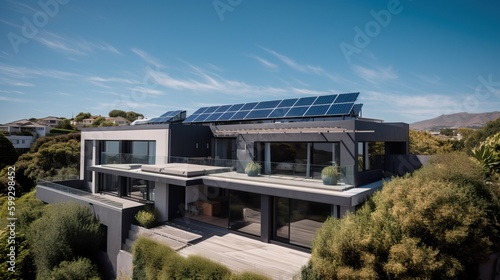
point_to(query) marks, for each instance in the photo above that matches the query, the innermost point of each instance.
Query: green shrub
(249, 276)
(61, 131)
(440, 223)
(64, 232)
(147, 218)
(252, 168)
(81, 269)
(153, 260)
(204, 269)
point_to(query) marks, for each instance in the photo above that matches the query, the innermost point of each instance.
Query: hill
(456, 121)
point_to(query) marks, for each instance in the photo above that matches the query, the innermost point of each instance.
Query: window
(244, 212)
(370, 155)
(296, 221)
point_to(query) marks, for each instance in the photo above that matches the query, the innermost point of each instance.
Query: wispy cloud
(266, 63)
(25, 72)
(147, 57)
(304, 68)
(80, 47)
(376, 74)
(434, 79)
(9, 99)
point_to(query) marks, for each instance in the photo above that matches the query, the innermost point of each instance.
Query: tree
(424, 143)
(98, 121)
(65, 232)
(439, 223)
(8, 155)
(81, 116)
(65, 124)
(117, 113)
(130, 115)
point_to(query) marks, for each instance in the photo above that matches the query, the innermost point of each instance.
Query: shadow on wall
(399, 165)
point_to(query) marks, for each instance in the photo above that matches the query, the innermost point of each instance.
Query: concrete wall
(21, 141)
(158, 133)
(117, 220)
(161, 200)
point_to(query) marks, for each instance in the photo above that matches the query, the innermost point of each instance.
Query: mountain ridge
(457, 120)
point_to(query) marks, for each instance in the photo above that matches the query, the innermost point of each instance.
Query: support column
(308, 167)
(267, 158)
(266, 212)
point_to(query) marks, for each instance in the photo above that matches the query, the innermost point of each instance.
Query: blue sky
(411, 60)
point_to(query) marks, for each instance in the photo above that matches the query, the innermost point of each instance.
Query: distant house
(23, 132)
(120, 121)
(24, 125)
(50, 121)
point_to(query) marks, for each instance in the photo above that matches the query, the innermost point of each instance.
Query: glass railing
(293, 169)
(78, 192)
(122, 158)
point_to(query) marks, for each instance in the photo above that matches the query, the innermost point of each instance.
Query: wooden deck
(240, 254)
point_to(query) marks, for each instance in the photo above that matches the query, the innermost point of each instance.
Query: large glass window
(244, 212)
(324, 154)
(370, 155)
(296, 221)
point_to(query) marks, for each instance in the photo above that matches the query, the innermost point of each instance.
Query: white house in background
(21, 142)
(50, 121)
(17, 132)
(37, 129)
(120, 121)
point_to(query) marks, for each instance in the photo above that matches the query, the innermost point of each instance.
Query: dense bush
(61, 131)
(152, 260)
(147, 218)
(249, 276)
(65, 232)
(440, 223)
(80, 269)
(8, 156)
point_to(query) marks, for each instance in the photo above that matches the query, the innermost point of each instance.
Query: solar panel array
(168, 117)
(316, 106)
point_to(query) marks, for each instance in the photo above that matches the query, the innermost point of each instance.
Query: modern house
(194, 168)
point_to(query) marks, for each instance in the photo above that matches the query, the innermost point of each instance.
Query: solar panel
(326, 99)
(311, 106)
(223, 109)
(268, 104)
(297, 111)
(211, 109)
(199, 111)
(348, 97)
(340, 109)
(201, 118)
(226, 116)
(305, 101)
(213, 117)
(190, 118)
(287, 103)
(235, 107)
(279, 112)
(249, 106)
(239, 115)
(259, 114)
(317, 110)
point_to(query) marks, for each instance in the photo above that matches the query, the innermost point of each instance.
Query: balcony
(59, 191)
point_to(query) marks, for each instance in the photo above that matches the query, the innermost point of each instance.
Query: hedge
(153, 260)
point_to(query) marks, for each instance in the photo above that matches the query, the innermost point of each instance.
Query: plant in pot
(252, 169)
(329, 175)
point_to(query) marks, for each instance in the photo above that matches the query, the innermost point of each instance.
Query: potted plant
(252, 169)
(329, 175)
